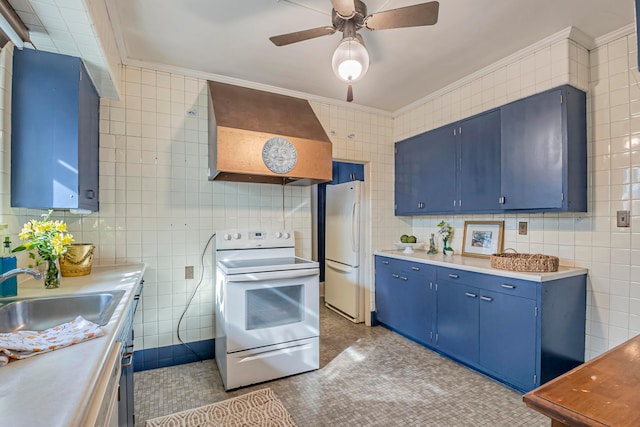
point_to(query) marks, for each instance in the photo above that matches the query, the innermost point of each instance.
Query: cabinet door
(89, 144)
(508, 337)
(55, 114)
(421, 303)
(405, 297)
(532, 152)
(479, 176)
(350, 172)
(406, 174)
(385, 298)
(458, 320)
(436, 160)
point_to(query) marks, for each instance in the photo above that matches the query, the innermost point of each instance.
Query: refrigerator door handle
(338, 267)
(355, 227)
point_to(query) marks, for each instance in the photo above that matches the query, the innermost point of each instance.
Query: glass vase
(432, 245)
(52, 274)
(445, 247)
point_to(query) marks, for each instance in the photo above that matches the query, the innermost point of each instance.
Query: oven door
(263, 309)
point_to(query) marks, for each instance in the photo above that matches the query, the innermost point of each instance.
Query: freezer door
(342, 240)
(341, 289)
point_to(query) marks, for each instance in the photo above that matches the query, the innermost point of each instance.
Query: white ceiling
(230, 38)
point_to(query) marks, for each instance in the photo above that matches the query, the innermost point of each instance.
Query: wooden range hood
(264, 137)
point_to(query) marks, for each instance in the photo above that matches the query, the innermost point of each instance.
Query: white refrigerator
(343, 292)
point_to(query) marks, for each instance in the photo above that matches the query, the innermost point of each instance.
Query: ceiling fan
(350, 60)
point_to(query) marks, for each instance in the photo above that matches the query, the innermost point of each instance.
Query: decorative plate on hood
(279, 155)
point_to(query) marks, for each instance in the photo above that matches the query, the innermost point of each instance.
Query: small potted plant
(51, 240)
(446, 232)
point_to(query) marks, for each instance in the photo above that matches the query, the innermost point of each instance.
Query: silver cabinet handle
(403, 278)
(469, 294)
(415, 268)
(453, 276)
(129, 357)
(483, 298)
(387, 263)
(504, 285)
(395, 276)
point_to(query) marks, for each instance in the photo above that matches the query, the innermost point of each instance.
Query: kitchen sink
(36, 314)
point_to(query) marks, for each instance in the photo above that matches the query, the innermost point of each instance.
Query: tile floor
(367, 377)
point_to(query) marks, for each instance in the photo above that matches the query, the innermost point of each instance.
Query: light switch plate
(188, 272)
(522, 228)
(624, 218)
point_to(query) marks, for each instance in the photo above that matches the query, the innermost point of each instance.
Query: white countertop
(481, 265)
(55, 388)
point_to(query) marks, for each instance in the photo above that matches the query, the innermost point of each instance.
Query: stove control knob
(286, 235)
(227, 237)
(278, 234)
(236, 236)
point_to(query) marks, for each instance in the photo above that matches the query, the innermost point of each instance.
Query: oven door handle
(272, 275)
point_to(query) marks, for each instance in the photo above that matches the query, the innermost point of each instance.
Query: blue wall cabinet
(520, 332)
(544, 152)
(425, 168)
(55, 140)
(450, 169)
(346, 172)
(405, 298)
(479, 176)
(529, 155)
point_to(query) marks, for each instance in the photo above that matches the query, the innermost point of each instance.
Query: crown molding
(187, 72)
(615, 35)
(567, 33)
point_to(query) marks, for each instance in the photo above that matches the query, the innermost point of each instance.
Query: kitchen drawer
(397, 265)
(505, 285)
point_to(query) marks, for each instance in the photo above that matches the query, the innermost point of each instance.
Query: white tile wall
(610, 75)
(157, 206)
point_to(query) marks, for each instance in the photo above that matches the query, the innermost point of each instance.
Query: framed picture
(482, 238)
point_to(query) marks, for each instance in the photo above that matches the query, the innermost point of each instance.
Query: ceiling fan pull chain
(349, 93)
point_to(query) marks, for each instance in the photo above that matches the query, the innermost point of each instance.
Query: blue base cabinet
(406, 298)
(522, 333)
(55, 135)
(458, 321)
(507, 337)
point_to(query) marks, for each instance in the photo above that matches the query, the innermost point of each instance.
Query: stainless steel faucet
(11, 273)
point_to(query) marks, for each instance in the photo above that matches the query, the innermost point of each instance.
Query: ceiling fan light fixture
(350, 60)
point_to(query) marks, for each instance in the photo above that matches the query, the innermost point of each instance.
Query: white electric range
(266, 307)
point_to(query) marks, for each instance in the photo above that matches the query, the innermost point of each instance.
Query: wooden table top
(604, 391)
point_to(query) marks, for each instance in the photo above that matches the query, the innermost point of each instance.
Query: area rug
(258, 408)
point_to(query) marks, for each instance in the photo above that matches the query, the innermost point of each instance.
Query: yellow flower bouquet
(51, 240)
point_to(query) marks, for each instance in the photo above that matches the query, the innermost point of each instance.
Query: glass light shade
(350, 60)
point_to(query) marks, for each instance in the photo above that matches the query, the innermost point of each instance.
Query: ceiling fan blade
(349, 94)
(298, 36)
(410, 16)
(344, 8)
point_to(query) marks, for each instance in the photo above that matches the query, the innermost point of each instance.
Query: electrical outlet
(188, 272)
(624, 219)
(522, 228)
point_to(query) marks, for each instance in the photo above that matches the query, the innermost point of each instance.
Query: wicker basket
(78, 260)
(537, 263)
